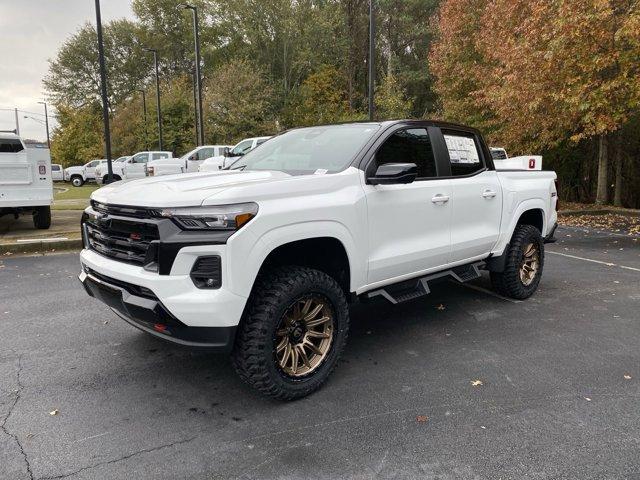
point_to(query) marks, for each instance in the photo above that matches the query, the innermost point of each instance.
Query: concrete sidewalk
(20, 236)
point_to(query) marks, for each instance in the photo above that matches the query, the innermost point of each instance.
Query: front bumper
(177, 293)
(142, 309)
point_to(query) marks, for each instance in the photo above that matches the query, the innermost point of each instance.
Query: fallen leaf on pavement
(476, 383)
(627, 377)
(440, 307)
(587, 399)
(422, 418)
(53, 412)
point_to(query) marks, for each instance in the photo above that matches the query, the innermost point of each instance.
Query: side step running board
(417, 287)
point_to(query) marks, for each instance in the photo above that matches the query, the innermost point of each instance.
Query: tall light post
(155, 62)
(46, 121)
(372, 53)
(103, 89)
(144, 112)
(196, 40)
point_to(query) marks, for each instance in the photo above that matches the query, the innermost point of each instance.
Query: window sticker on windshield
(320, 171)
(462, 149)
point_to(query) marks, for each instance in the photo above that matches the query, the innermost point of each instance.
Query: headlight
(222, 217)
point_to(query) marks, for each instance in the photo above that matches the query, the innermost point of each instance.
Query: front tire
(523, 266)
(42, 218)
(293, 332)
(77, 181)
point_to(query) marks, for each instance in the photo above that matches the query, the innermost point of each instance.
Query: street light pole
(144, 110)
(46, 121)
(196, 38)
(105, 99)
(195, 106)
(155, 62)
(372, 53)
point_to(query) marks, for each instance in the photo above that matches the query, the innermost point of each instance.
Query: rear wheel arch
(533, 217)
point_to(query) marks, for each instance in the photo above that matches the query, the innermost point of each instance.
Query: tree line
(557, 77)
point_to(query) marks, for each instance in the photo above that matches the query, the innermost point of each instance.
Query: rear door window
(158, 156)
(464, 153)
(10, 145)
(140, 158)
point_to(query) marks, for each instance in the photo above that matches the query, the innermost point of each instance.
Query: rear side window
(409, 146)
(464, 153)
(158, 156)
(140, 158)
(10, 145)
(55, 168)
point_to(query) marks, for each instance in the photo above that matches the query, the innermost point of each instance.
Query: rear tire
(42, 218)
(269, 338)
(523, 265)
(77, 181)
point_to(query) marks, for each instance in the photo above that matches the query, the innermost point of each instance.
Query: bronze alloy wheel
(530, 264)
(304, 336)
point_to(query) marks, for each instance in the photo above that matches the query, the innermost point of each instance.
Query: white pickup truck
(102, 170)
(262, 260)
(25, 180)
(80, 174)
(189, 162)
(243, 147)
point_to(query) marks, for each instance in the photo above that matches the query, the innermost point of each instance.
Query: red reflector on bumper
(159, 327)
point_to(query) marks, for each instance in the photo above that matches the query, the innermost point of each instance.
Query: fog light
(206, 272)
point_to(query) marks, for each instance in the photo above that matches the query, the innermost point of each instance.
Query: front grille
(121, 239)
(124, 211)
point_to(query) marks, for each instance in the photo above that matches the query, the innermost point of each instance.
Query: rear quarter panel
(522, 191)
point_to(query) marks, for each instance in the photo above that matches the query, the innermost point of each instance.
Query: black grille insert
(127, 241)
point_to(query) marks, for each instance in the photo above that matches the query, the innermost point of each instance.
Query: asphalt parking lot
(559, 395)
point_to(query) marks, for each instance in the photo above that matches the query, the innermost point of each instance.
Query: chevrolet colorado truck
(261, 260)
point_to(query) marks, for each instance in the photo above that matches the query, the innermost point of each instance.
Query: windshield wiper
(241, 167)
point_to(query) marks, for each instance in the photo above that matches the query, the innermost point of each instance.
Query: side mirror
(394, 173)
(193, 157)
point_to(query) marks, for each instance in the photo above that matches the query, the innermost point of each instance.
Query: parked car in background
(189, 162)
(57, 172)
(136, 166)
(78, 175)
(524, 162)
(261, 260)
(218, 163)
(25, 180)
(102, 171)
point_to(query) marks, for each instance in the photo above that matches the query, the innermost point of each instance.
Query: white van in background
(25, 180)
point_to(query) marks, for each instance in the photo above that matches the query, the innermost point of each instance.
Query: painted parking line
(608, 264)
(37, 240)
(488, 292)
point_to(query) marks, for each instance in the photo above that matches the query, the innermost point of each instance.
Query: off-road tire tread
(271, 290)
(507, 283)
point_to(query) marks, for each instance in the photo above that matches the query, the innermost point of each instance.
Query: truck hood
(186, 189)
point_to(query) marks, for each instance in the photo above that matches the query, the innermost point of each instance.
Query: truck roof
(8, 135)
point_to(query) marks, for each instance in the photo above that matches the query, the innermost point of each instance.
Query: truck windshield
(324, 149)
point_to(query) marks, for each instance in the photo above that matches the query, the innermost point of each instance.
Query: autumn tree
(555, 71)
(78, 135)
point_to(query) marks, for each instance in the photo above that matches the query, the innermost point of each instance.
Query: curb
(40, 246)
(604, 211)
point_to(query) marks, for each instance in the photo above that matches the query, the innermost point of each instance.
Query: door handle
(439, 198)
(488, 193)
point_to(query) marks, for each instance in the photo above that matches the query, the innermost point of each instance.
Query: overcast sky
(31, 31)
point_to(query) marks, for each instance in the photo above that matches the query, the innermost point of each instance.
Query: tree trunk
(617, 195)
(603, 167)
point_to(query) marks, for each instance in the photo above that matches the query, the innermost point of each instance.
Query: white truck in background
(189, 162)
(25, 180)
(80, 174)
(102, 170)
(214, 164)
(525, 162)
(136, 167)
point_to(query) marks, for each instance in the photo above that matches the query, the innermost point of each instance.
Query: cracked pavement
(554, 400)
